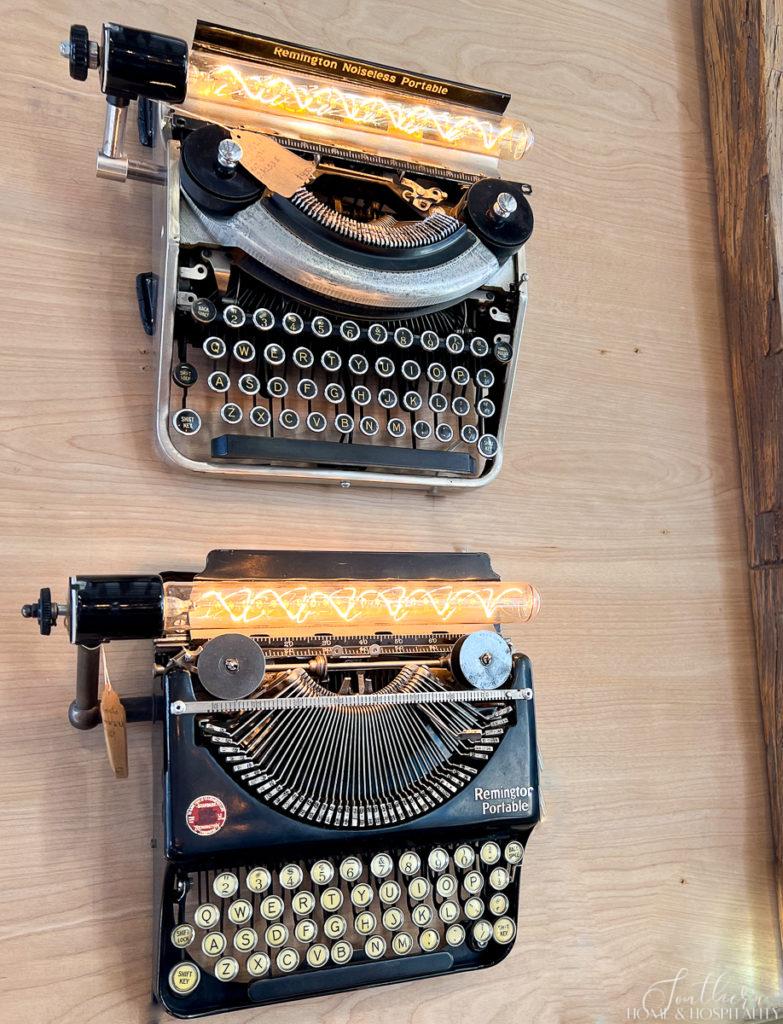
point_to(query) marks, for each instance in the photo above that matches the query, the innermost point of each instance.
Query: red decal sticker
(206, 815)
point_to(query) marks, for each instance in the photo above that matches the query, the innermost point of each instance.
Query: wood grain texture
(744, 63)
(620, 499)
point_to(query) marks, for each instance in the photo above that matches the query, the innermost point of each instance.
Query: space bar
(332, 453)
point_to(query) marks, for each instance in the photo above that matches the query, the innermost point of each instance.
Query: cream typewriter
(346, 765)
(340, 286)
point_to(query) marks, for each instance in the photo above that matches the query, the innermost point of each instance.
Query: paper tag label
(275, 166)
(114, 730)
(206, 815)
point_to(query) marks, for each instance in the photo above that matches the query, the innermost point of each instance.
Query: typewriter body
(347, 771)
(341, 286)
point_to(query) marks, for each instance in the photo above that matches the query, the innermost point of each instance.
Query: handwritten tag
(275, 166)
(114, 726)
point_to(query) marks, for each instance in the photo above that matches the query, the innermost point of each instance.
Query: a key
(365, 923)
(276, 935)
(498, 903)
(387, 398)
(344, 423)
(226, 969)
(213, 944)
(369, 426)
(244, 351)
(263, 319)
(429, 341)
(410, 370)
(473, 882)
(287, 960)
(412, 401)
(358, 364)
(271, 908)
(460, 376)
(316, 421)
(249, 384)
(307, 388)
(396, 427)
(303, 903)
(184, 978)
(446, 886)
(350, 869)
(184, 375)
(389, 891)
(182, 935)
(421, 915)
(317, 955)
(419, 888)
(375, 947)
(342, 952)
(455, 935)
(438, 859)
(361, 395)
(381, 865)
(322, 872)
(231, 412)
(489, 853)
(291, 876)
(349, 330)
(409, 862)
(245, 939)
(362, 895)
(334, 393)
(384, 366)
(444, 432)
(225, 884)
(485, 407)
(303, 357)
(240, 911)
(455, 343)
(488, 445)
(479, 346)
(474, 908)
(214, 347)
(331, 361)
(335, 926)
(469, 433)
(258, 965)
(422, 429)
(429, 940)
(481, 933)
(277, 387)
(460, 406)
(321, 326)
(503, 351)
(260, 417)
(485, 378)
(499, 878)
(331, 899)
(289, 419)
(274, 354)
(392, 919)
(203, 311)
(436, 372)
(464, 856)
(448, 912)
(219, 381)
(233, 315)
(186, 421)
(207, 915)
(292, 323)
(513, 852)
(438, 402)
(402, 943)
(403, 337)
(377, 334)
(306, 930)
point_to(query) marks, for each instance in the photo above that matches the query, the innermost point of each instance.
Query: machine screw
(486, 658)
(504, 205)
(229, 153)
(231, 664)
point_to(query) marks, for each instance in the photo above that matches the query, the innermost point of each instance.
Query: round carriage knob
(231, 666)
(80, 52)
(43, 611)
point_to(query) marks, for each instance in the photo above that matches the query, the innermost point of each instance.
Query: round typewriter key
(231, 412)
(264, 319)
(488, 446)
(259, 416)
(291, 876)
(331, 361)
(402, 944)
(334, 393)
(412, 401)
(499, 878)
(384, 366)
(485, 378)
(410, 369)
(481, 932)
(271, 908)
(289, 419)
(245, 940)
(344, 423)
(448, 912)
(474, 908)
(274, 354)
(206, 915)
(342, 952)
(419, 888)
(392, 919)
(316, 421)
(446, 885)
(203, 311)
(361, 395)
(331, 899)
(438, 859)
(429, 940)
(387, 398)
(307, 388)
(276, 934)
(226, 969)
(444, 433)
(183, 978)
(225, 884)
(365, 923)
(350, 869)
(219, 381)
(185, 375)
(249, 384)
(213, 944)
(234, 315)
(455, 343)
(381, 865)
(257, 965)
(375, 947)
(287, 960)
(485, 407)
(358, 364)
(293, 323)
(244, 352)
(502, 351)
(464, 856)
(369, 426)
(317, 955)
(460, 376)
(421, 915)
(240, 911)
(303, 903)
(422, 429)
(361, 895)
(460, 406)
(303, 357)
(498, 903)
(214, 347)
(396, 427)
(349, 330)
(321, 326)
(377, 334)
(474, 881)
(429, 341)
(306, 930)
(469, 433)
(436, 372)
(182, 935)
(513, 852)
(479, 346)
(322, 872)
(409, 863)
(335, 926)
(438, 402)
(455, 935)
(186, 421)
(403, 337)
(389, 891)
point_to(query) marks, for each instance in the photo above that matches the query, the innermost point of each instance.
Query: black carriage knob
(81, 53)
(43, 611)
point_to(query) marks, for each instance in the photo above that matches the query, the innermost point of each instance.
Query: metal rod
(84, 712)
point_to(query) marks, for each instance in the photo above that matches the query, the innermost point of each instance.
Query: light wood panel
(619, 499)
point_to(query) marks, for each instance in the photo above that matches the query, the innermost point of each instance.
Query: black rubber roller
(210, 184)
(500, 214)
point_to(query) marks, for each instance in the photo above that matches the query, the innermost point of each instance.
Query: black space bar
(332, 453)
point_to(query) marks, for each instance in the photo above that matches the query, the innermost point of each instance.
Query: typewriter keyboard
(270, 920)
(257, 378)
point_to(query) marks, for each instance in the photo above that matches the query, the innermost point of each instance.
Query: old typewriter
(340, 283)
(346, 765)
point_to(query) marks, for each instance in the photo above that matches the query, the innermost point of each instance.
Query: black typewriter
(341, 284)
(346, 765)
